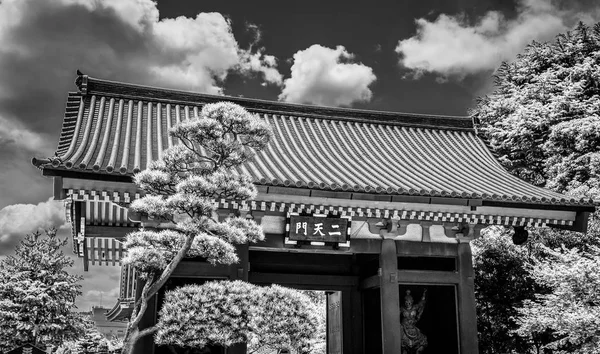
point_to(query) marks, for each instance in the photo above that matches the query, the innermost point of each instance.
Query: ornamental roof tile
(114, 128)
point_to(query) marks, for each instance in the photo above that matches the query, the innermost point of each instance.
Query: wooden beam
(59, 193)
(239, 271)
(100, 185)
(390, 298)
(427, 277)
(108, 231)
(415, 277)
(426, 249)
(356, 320)
(466, 302)
(304, 281)
(414, 203)
(191, 269)
(531, 212)
(274, 242)
(370, 282)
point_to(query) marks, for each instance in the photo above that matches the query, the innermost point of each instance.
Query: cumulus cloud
(261, 63)
(19, 181)
(326, 76)
(14, 133)
(450, 46)
(20, 219)
(42, 43)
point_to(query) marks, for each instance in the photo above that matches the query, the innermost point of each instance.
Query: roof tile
(111, 133)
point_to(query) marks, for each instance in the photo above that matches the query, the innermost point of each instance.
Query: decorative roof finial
(81, 82)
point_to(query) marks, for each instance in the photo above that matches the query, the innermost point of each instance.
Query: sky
(426, 56)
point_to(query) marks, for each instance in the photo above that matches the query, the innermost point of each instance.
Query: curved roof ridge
(90, 85)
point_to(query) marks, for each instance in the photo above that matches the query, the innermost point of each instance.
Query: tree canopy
(228, 312)
(502, 282)
(37, 294)
(180, 218)
(543, 118)
(543, 122)
(571, 309)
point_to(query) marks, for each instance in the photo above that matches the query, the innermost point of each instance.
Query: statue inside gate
(413, 341)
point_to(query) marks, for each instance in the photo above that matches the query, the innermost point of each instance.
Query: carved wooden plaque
(314, 228)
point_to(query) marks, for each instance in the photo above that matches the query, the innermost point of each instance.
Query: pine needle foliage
(227, 312)
(181, 189)
(37, 294)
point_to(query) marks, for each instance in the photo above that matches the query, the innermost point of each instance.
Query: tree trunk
(151, 288)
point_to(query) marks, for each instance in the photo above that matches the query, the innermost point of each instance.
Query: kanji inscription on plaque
(314, 228)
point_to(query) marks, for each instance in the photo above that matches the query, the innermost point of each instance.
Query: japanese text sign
(322, 229)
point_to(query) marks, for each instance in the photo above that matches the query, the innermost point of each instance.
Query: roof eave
(51, 171)
(525, 205)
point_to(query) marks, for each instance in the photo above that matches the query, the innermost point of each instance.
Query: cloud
(261, 63)
(451, 46)
(20, 219)
(326, 76)
(14, 133)
(105, 297)
(42, 43)
(20, 181)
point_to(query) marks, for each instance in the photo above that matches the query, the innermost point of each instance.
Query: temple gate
(375, 208)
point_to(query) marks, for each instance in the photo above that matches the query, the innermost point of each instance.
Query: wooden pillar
(466, 301)
(239, 271)
(390, 298)
(59, 192)
(145, 345)
(355, 330)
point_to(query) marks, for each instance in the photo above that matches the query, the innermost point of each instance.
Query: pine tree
(223, 313)
(37, 294)
(182, 187)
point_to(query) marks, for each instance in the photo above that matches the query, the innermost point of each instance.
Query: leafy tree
(182, 187)
(571, 311)
(501, 284)
(543, 117)
(542, 120)
(37, 294)
(68, 347)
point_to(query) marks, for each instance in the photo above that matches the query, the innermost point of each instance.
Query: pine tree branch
(147, 331)
(131, 335)
(172, 265)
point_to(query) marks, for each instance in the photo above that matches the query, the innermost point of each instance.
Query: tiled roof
(118, 129)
